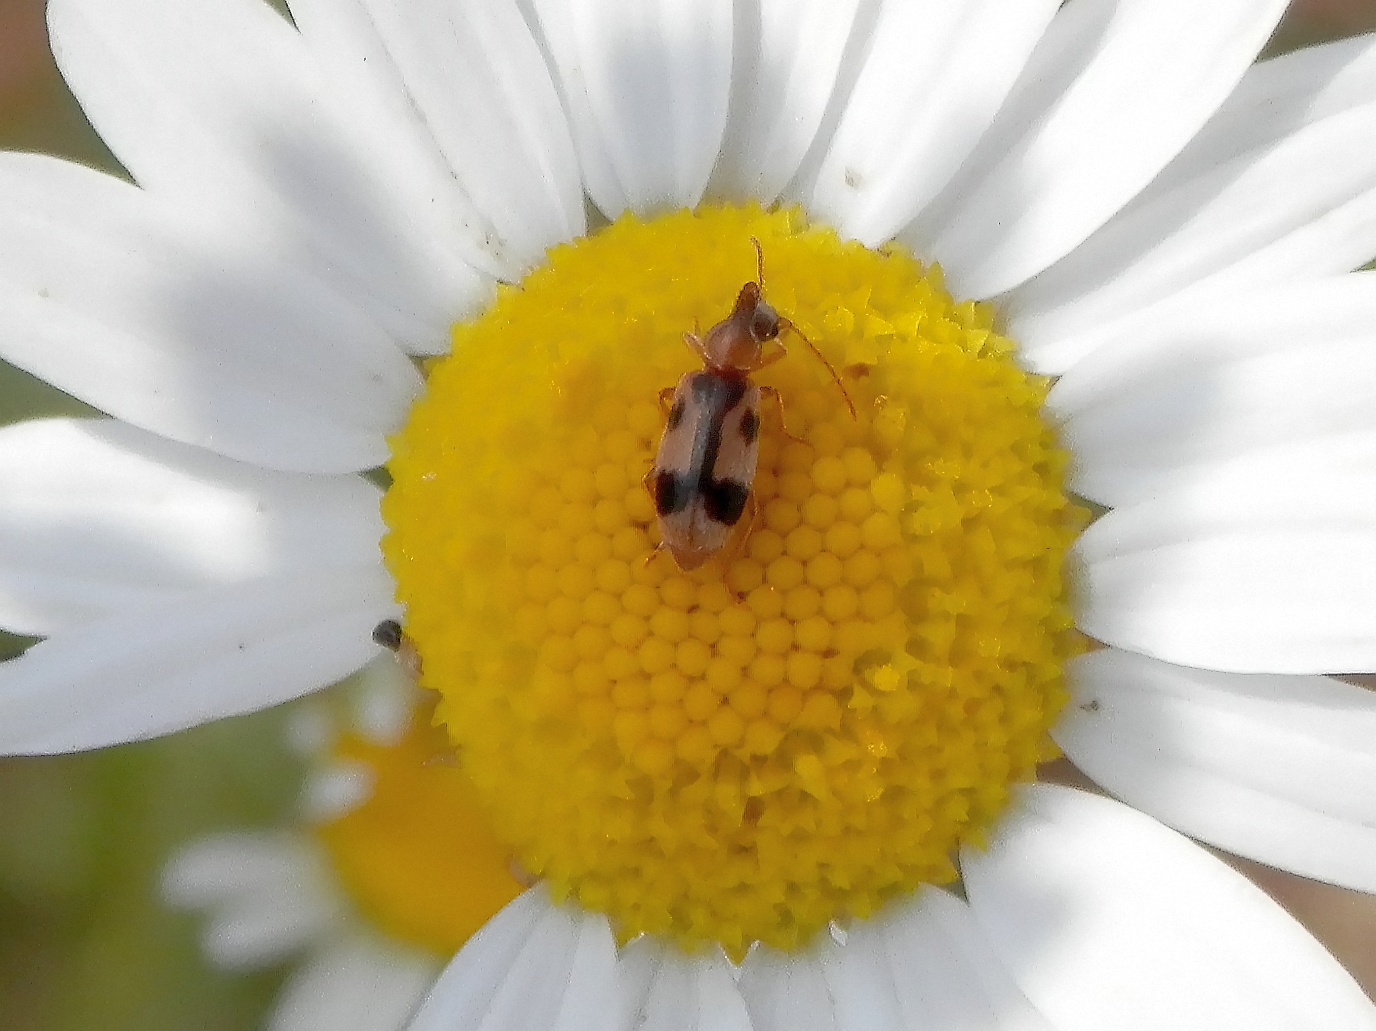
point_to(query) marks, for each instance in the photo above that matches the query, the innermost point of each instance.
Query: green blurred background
(84, 942)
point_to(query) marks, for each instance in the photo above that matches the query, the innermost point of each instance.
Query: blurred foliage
(1315, 21)
(84, 941)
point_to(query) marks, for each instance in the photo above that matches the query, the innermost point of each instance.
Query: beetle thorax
(735, 344)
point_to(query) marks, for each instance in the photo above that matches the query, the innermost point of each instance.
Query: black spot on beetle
(676, 413)
(725, 500)
(750, 426)
(672, 493)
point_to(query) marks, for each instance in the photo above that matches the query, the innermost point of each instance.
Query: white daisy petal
(554, 20)
(1241, 373)
(637, 965)
(785, 58)
(258, 932)
(1278, 769)
(310, 728)
(678, 992)
(945, 971)
(170, 665)
(235, 864)
(440, 76)
(1106, 918)
(918, 964)
(340, 787)
(266, 895)
(356, 984)
(217, 106)
(1275, 98)
(1114, 91)
(464, 992)
(98, 516)
(533, 965)
(360, 75)
(1233, 210)
(646, 85)
(860, 982)
(382, 700)
(1249, 576)
(107, 299)
(533, 989)
(592, 978)
(786, 992)
(1259, 474)
(934, 76)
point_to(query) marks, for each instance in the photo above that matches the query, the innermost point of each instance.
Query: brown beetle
(704, 469)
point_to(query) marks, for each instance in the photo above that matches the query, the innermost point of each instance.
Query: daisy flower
(333, 893)
(1059, 258)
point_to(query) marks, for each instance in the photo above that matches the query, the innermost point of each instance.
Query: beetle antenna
(786, 324)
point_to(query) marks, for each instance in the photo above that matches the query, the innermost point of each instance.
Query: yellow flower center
(811, 722)
(418, 856)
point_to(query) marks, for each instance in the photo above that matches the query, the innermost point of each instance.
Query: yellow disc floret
(811, 722)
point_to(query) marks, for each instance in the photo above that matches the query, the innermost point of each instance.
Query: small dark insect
(705, 467)
(389, 634)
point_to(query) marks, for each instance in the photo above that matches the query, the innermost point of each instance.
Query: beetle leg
(694, 342)
(664, 396)
(769, 359)
(742, 535)
(648, 481)
(645, 562)
(767, 391)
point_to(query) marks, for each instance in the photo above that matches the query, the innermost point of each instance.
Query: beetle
(704, 468)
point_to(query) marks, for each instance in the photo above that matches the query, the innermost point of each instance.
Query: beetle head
(735, 343)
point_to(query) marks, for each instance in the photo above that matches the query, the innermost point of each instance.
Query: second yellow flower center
(811, 722)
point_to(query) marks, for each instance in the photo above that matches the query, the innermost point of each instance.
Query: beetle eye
(764, 325)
